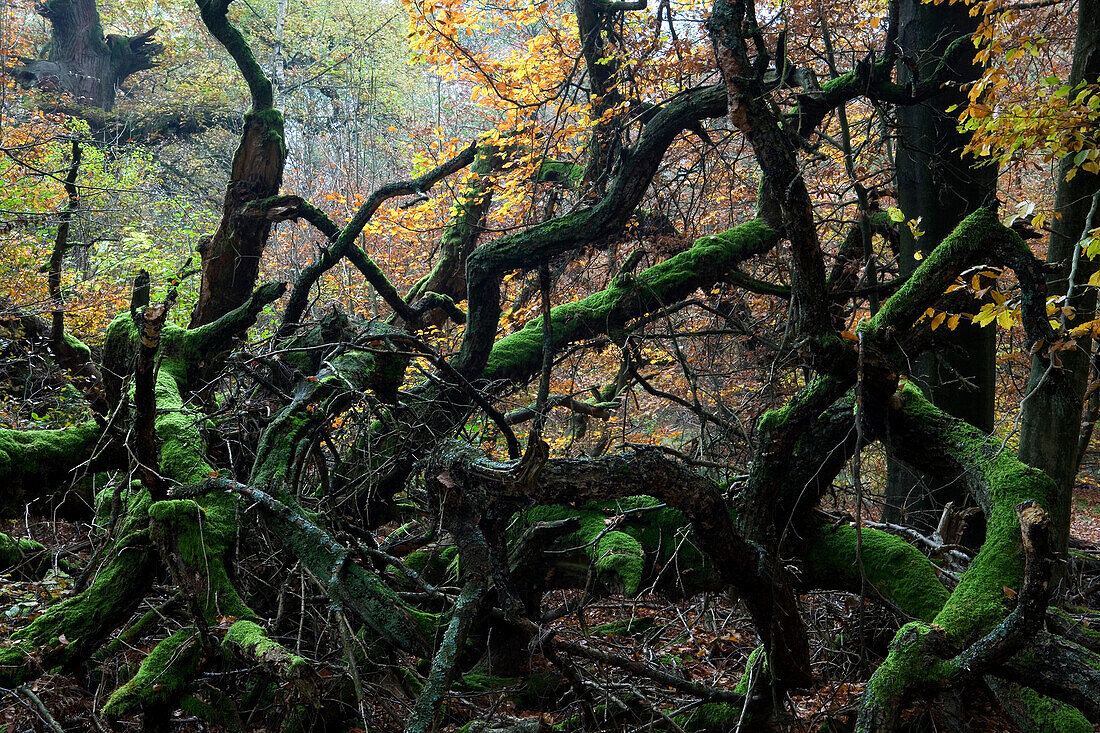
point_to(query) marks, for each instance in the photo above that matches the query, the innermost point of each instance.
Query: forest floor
(706, 639)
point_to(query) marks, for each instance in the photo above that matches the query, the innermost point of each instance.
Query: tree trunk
(82, 61)
(231, 258)
(938, 186)
(1051, 416)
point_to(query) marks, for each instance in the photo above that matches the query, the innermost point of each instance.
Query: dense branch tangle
(366, 423)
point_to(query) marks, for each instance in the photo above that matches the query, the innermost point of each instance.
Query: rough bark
(82, 61)
(231, 257)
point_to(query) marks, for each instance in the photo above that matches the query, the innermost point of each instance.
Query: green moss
(86, 619)
(13, 550)
(1051, 715)
(560, 172)
(359, 588)
(912, 661)
(625, 627)
(936, 272)
(252, 637)
(436, 564)
(978, 603)
(774, 419)
(519, 354)
(77, 345)
(28, 453)
(622, 556)
(162, 677)
(481, 682)
(270, 121)
(202, 535)
(710, 717)
(751, 675)
(892, 566)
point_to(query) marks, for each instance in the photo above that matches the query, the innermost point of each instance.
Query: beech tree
(380, 460)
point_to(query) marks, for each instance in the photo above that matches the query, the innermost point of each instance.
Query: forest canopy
(561, 365)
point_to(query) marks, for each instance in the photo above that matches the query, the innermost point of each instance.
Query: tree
(342, 429)
(938, 185)
(81, 60)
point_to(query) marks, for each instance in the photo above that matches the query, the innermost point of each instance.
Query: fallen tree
(483, 537)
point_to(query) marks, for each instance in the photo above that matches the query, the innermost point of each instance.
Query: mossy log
(71, 631)
(36, 461)
(876, 564)
(250, 641)
(647, 545)
(161, 679)
(15, 550)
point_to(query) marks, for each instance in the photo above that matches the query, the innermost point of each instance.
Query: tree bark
(939, 187)
(82, 61)
(231, 257)
(1050, 422)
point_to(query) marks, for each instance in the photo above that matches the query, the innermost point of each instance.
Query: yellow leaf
(1005, 319)
(979, 110)
(1094, 279)
(953, 322)
(986, 315)
(998, 298)
(938, 320)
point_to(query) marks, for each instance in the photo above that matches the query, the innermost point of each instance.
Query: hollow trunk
(82, 61)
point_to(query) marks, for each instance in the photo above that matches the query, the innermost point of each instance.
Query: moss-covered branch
(14, 550)
(463, 230)
(921, 655)
(887, 566)
(529, 247)
(259, 86)
(161, 679)
(978, 238)
(85, 620)
(357, 588)
(519, 356)
(39, 460)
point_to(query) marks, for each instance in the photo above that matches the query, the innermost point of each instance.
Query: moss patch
(647, 541)
(162, 677)
(896, 569)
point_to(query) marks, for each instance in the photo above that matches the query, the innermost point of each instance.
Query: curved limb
(975, 618)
